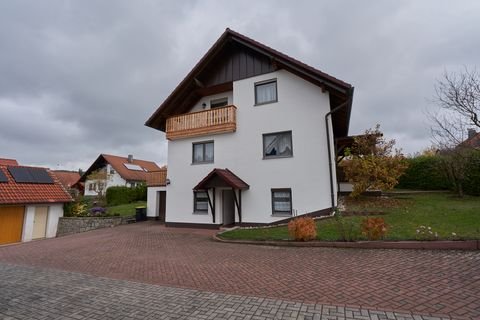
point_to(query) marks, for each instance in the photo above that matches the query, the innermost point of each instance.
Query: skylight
(135, 167)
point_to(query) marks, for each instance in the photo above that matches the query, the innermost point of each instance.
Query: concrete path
(440, 283)
(36, 294)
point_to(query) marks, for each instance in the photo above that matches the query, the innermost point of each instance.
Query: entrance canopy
(223, 178)
(219, 178)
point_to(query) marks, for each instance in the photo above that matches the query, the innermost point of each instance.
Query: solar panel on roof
(3, 177)
(30, 175)
(40, 175)
(133, 167)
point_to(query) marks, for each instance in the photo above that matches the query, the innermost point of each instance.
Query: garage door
(11, 224)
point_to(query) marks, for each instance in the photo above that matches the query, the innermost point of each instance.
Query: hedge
(424, 173)
(471, 185)
(123, 195)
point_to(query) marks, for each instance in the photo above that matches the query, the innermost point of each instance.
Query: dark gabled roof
(221, 178)
(184, 95)
(12, 192)
(118, 163)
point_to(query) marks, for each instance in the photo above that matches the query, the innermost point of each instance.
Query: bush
(374, 228)
(471, 184)
(124, 195)
(424, 173)
(302, 229)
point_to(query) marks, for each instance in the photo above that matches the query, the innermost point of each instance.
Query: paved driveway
(424, 282)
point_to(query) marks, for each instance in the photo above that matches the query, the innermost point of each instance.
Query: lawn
(450, 217)
(126, 209)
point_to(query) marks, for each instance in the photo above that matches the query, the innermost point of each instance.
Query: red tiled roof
(118, 163)
(12, 192)
(473, 142)
(226, 176)
(8, 162)
(67, 178)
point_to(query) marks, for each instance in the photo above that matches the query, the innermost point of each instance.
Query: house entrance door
(228, 208)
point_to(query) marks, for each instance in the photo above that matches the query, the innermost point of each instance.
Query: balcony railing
(218, 120)
(157, 178)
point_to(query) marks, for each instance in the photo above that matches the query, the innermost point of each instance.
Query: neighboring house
(473, 140)
(108, 171)
(251, 137)
(69, 180)
(31, 201)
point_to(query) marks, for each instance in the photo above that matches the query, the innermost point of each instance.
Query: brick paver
(34, 293)
(419, 281)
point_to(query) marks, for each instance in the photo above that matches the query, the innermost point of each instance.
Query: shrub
(123, 195)
(374, 228)
(471, 184)
(347, 228)
(424, 173)
(97, 211)
(302, 229)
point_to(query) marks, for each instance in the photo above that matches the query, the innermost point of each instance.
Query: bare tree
(458, 98)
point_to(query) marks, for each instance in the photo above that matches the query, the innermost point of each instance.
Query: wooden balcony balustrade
(157, 178)
(218, 120)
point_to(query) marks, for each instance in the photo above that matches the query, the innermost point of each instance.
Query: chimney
(130, 158)
(471, 133)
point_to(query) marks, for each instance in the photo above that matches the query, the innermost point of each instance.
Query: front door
(162, 202)
(228, 208)
(40, 222)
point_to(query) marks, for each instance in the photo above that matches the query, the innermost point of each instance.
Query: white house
(251, 137)
(108, 171)
(31, 201)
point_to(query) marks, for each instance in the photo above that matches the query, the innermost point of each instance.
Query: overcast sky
(80, 78)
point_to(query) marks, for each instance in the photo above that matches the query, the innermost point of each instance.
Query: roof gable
(12, 192)
(234, 57)
(118, 164)
(221, 178)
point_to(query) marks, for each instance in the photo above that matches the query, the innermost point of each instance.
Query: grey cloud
(79, 78)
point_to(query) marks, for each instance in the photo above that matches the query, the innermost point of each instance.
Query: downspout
(330, 160)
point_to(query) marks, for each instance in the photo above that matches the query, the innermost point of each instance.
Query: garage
(11, 224)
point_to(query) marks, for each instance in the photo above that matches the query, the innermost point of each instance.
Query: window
(217, 103)
(203, 152)
(277, 145)
(266, 92)
(200, 202)
(92, 186)
(282, 201)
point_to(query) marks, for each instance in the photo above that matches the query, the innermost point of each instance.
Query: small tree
(458, 98)
(373, 163)
(100, 176)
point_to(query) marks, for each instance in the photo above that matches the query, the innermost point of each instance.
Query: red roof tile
(12, 192)
(227, 178)
(118, 164)
(8, 162)
(67, 178)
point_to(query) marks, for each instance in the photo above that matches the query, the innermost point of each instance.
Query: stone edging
(429, 245)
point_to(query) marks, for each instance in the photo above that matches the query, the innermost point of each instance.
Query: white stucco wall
(28, 223)
(153, 201)
(55, 211)
(198, 106)
(301, 108)
(112, 180)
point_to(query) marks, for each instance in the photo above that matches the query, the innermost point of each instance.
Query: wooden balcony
(218, 120)
(157, 178)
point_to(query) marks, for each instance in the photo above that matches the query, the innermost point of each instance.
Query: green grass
(126, 209)
(443, 213)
